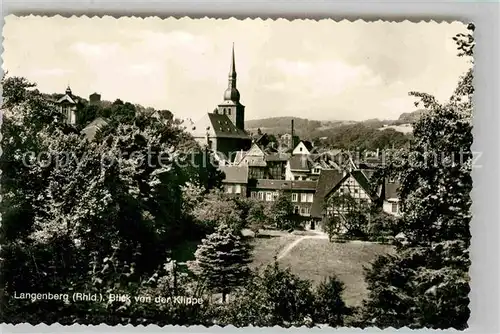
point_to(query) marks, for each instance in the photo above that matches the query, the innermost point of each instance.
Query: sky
(322, 70)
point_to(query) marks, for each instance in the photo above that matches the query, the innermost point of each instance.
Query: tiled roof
(283, 185)
(235, 174)
(328, 179)
(300, 162)
(219, 126)
(278, 157)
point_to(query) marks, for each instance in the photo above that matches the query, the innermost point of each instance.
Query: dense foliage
(426, 283)
(88, 215)
(276, 297)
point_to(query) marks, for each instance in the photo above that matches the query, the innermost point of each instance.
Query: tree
(349, 217)
(281, 212)
(217, 209)
(222, 260)
(257, 218)
(329, 306)
(275, 297)
(426, 283)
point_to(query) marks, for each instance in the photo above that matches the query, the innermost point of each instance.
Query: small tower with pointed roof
(67, 106)
(231, 105)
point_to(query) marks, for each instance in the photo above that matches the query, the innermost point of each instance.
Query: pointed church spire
(233, 64)
(232, 71)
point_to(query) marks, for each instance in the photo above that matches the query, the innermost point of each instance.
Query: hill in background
(309, 129)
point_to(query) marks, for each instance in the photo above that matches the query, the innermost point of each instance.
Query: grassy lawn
(268, 245)
(316, 259)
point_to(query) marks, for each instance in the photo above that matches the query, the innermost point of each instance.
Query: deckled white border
(485, 277)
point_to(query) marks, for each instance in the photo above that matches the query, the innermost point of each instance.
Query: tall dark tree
(222, 260)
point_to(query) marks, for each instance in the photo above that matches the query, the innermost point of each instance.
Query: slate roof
(218, 126)
(300, 162)
(328, 179)
(235, 174)
(283, 184)
(91, 129)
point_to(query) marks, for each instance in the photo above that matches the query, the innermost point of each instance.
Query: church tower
(231, 105)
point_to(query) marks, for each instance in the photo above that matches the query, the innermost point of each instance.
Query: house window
(237, 189)
(310, 198)
(296, 209)
(269, 196)
(306, 210)
(295, 197)
(229, 189)
(275, 195)
(356, 191)
(253, 194)
(303, 197)
(394, 207)
(261, 195)
(296, 178)
(229, 111)
(300, 149)
(316, 170)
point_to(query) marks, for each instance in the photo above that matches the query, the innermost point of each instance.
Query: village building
(67, 105)
(390, 197)
(301, 192)
(303, 147)
(236, 180)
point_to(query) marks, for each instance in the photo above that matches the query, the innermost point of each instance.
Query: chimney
(293, 137)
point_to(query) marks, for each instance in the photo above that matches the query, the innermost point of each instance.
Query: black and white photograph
(244, 172)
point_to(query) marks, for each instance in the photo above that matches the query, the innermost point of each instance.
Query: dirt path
(288, 248)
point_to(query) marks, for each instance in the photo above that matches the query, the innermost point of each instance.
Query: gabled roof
(362, 181)
(307, 144)
(235, 174)
(283, 185)
(218, 126)
(93, 127)
(300, 162)
(67, 98)
(328, 179)
(254, 157)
